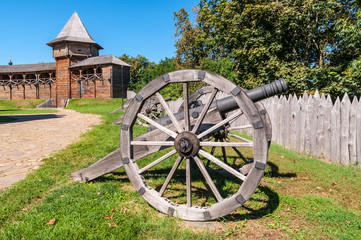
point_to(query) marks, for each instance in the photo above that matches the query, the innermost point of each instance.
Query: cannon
(192, 163)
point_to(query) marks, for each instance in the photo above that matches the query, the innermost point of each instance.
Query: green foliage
(143, 71)
(312, 44)
(140, 71)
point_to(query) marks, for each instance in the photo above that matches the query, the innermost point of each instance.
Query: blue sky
(131, 27)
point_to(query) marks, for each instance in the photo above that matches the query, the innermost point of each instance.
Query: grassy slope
(21, 107)
(299, 197)
(20, 104)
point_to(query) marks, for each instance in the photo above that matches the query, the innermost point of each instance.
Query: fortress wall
(103, 89)
(17, 92)
(46, 91)
(4, 93)
(30, 91)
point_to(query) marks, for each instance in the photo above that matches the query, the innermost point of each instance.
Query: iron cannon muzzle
(269, 90)
(274, 88)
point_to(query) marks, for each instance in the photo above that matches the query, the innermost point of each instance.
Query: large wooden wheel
(158, 162)
(224, 135)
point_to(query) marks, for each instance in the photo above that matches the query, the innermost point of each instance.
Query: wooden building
(78, 71)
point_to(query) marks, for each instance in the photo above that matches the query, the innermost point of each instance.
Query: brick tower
(73, 44)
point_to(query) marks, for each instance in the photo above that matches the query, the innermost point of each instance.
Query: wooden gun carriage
(181, 164)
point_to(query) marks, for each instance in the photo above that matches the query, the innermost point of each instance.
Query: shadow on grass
(271, 204)
(275, 172)
(5, 119)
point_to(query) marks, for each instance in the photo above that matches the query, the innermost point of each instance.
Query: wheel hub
(186, 144)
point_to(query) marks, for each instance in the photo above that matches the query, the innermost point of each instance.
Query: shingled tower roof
(74, 31)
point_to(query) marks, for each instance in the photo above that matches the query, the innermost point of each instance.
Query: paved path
(27, 140)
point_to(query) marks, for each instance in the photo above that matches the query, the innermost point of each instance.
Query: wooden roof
(26, 68)
(99, 60)
(74, 31)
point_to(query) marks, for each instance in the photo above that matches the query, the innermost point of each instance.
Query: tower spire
(74, 31)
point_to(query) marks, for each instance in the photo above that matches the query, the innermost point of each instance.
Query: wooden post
(37, 86)
(286, 122)
(294, 120)
(11, 87)
(313, 127)
(336, 131)
(80, 82)
(302, 121)
(308, 128)
(51, 77)
(95, 85)
(24, 78)
(320, 137)
(345, 129)
(352, 132)
(327, 129)
(279, 120)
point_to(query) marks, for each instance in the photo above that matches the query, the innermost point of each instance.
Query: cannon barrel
(257, 94)
(228, 104)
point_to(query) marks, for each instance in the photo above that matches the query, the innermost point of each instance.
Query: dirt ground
(32, 137)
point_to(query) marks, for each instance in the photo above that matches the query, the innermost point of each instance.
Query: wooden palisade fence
(313, 125)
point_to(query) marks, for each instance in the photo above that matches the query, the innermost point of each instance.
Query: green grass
(299, 197)
(22, 107)
(20, 104)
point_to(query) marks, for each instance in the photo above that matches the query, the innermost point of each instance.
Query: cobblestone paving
(30, 138)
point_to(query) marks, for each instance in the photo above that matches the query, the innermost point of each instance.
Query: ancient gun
(197, 139)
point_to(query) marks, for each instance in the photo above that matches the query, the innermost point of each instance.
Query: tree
(140, 71)
(310, 43)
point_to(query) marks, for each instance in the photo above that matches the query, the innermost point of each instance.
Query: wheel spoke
(157, 125)
(152, 143)
(221, 164)
(170, 175)
(169, 113)
(239, 127)
(238, 137)
(159, 160)
(186, 107)
(189, 182)
(208, 178)
(204, 111)
(221, 123)
(226, 144)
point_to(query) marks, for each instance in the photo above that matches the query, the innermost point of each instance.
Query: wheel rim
(179, 132)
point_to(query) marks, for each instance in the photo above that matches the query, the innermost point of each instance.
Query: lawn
(21, 107)
(298, 198)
